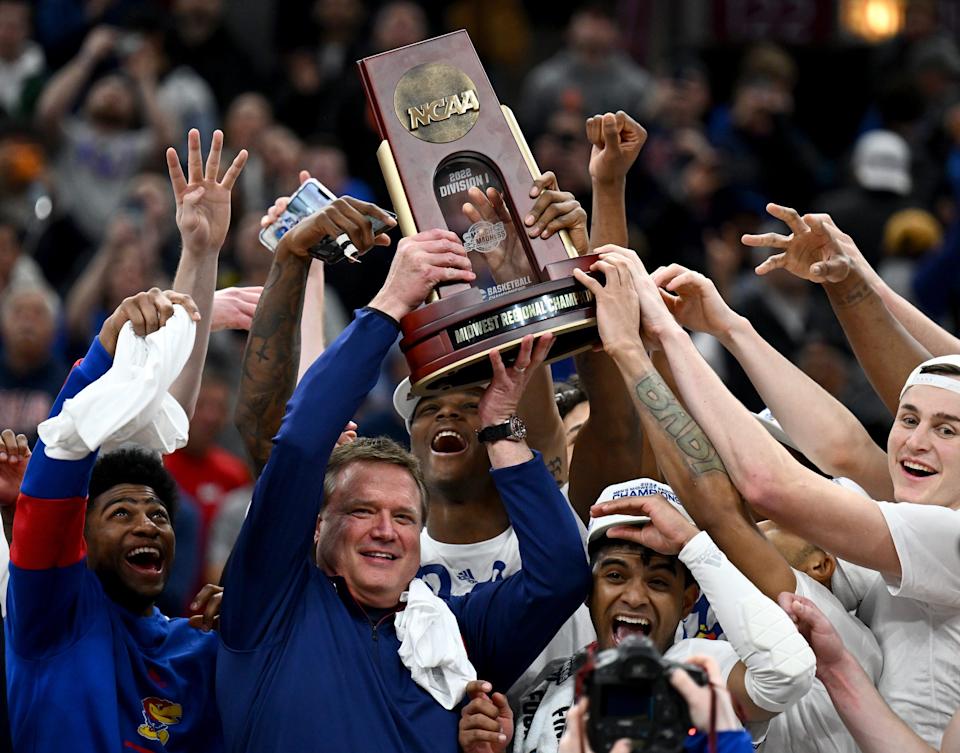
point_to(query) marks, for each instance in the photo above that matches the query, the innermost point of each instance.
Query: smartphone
(311, 197)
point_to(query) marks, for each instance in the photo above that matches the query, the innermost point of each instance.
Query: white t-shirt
(812, 725)
(916, 620)
(540, 715)
(454, 569)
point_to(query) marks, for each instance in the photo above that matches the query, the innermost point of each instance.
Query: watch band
(513, 429)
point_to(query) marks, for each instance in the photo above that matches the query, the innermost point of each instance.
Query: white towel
(130, 403)
(431, 646)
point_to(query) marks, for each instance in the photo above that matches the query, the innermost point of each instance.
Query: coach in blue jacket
(309, 653)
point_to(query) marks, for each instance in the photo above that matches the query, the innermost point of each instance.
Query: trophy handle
(532, 167)
(391, 176)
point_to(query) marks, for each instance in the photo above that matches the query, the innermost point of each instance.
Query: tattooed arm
(771, 481)
(685, 454)
(817, 250)
(271, 358)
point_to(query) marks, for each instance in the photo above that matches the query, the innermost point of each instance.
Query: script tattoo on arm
(699, 453)
(555, 466)
(270, 360)
(855, 295)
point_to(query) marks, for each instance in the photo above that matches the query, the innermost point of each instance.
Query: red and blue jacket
(302, 667)
(84, 674)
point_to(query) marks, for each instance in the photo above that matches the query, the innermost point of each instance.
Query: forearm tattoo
(271, 358)
(700, 454)
(855, 295)
(555, 466)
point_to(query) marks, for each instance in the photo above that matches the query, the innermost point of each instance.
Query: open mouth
(145, 559)
(625, 626)
(917, 470)
(448, 442)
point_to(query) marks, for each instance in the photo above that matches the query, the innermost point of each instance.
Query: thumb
(194, 196)
(611, 134)
(834, 270)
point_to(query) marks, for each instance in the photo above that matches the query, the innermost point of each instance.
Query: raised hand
(693, 300)
(667, 532)
(711, 708)
(555, 210)
(147, 312)
(421, 262)
(814, 626)
(617, 140)
(233, 308)
(14, 454)
(342, 215)
(203, 201)
(816, 249)
(502, 396)
(486, 722)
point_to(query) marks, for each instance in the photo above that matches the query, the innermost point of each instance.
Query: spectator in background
(202, 42)
(16, 268)
(881, 186)
(203, 469)
(246, 120)
(319, 48)
(30, 372)
(592, 74)
(564, 146)
(22, 62)
(910, 237)
(280, 150)
(763, 148)
(127, 261)
(112, 137)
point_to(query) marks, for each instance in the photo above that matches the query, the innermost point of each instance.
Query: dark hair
(598, 546)
(947, 369)
(134, 465)
(569, 394)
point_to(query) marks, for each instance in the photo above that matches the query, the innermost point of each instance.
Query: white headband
(934, 380)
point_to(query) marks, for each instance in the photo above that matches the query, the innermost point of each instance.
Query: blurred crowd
(93, 91)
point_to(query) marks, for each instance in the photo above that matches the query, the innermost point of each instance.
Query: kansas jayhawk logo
(158, 714)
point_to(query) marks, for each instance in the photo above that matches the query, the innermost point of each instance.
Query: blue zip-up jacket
(301, 667)
(84, 674)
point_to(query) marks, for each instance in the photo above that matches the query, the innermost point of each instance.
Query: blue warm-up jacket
(301, 666)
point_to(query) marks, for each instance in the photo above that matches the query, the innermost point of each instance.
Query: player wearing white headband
(912, 604)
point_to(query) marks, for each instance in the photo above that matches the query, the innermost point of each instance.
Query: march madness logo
(158, 715)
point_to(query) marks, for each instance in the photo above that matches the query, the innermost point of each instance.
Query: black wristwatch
(513, 429)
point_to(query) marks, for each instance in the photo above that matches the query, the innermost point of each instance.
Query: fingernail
(194, 605)
(534, 192)
(817, 269)
(545, 234)
(529, 219)
(487, 687)
(3, 456)
(503, 738)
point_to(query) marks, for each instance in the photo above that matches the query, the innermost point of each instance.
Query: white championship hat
(405, 402)
(881, 162)
(639, 487)
(917, 377)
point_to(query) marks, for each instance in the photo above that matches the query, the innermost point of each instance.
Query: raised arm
(818, 251)
(48, 548)
(273, 549)
(771, 481)
(61, 92)
(838, 447)
(608, 447)
(684, 453)
(203, 217)
(270, 362)
(508, 623)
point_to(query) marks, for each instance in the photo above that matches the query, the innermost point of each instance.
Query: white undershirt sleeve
(780, 665)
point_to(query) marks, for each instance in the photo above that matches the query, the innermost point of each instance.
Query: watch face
(517, 427)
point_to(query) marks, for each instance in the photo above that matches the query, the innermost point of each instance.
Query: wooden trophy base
(447, 343)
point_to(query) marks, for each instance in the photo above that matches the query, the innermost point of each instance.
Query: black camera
(631, 696)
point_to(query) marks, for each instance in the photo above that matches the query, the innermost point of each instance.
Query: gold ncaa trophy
(444, 132)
